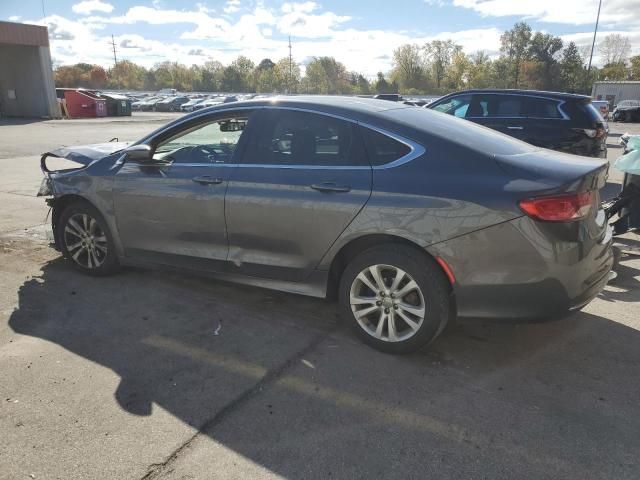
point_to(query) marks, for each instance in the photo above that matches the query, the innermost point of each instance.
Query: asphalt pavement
(160, 375)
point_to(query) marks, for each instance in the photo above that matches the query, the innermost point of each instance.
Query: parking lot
(164, 375)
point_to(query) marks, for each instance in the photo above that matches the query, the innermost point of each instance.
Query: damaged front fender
(84, 155)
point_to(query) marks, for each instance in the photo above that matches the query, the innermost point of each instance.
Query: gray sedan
(408, 216)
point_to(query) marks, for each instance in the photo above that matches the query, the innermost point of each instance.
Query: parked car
(146, 105)
(558, 121)
(171, 104)
(627, 111)
(214, 101)
(407, 216)
(392, 97)
(603, 107)
(188, 106)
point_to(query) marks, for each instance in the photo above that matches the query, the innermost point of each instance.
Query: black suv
(559, 121)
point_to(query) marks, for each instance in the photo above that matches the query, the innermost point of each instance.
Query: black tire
(101, 262)
(433, 286)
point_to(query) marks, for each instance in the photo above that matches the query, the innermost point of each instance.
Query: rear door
(502, 112)
(548, 125)
(302, 179)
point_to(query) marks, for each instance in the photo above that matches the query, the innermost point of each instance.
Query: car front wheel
(85, 240)
(395, 297)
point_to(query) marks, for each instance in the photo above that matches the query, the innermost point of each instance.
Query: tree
(97, 77)
(458, 72)
(408, 66)
(127, 75)
(635, 67)
(265, 64)
(439, 55)
(614, 49)
(544, 49)
(514, 44)
(381, 85)
(479, 75)
(572, 71)
(326, 75)
(289, 74)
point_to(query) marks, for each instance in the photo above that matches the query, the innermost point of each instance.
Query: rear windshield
(593, 112)
(457, 130)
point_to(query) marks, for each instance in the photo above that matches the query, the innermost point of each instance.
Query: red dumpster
(84, 103)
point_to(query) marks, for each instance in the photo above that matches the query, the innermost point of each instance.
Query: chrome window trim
(416, 149)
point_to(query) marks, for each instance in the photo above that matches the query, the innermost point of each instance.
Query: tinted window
(381, 148)
(456, 106)
(497, 106)
(210, 142)
(299, 138)
(543, 108)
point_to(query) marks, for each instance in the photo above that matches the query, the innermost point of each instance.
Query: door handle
(330, 187)
(207, 180)
(515, 128)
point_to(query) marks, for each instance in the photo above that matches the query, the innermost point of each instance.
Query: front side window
(211, 142)
(456, 106)
(289, 137)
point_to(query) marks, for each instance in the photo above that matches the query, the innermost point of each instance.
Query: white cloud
(232, 6)
(88, 6)
(14, 18)
(300, 21)
(566, 11)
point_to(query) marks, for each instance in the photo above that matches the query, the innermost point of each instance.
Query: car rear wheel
(86, 241)
(395, 297)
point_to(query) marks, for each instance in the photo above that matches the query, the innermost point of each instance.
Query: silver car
(408, 216)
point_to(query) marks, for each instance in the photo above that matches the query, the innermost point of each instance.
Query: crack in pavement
(157, 469)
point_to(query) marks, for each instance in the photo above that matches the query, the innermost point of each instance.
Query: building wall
(615, 92)
(26, 72)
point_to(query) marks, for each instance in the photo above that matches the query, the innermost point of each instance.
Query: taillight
(559, 208)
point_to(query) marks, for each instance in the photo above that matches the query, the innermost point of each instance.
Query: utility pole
(113, 44)
(290, 68)
(593, 45)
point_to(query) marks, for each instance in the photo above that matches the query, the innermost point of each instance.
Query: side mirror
(139, 153)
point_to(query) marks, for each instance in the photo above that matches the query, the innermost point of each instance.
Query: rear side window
(289, 137)
(497, 106)
(381, 148)
(543, 108)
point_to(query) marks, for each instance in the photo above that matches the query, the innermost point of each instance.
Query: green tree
(458, 73)
(634, 72)
(408, 67)
(572, 71)
(479, 70)
(289, 75)
(381, 85)
(439, 55)
(514, 45)
(326, 75)
(544, 49)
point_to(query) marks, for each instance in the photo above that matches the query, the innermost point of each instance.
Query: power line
(595, 32)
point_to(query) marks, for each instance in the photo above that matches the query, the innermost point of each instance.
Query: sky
(360, 33)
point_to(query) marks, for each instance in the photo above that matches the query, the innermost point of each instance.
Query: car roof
(515, 91)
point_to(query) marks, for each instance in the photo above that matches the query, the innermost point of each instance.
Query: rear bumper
(523, 275)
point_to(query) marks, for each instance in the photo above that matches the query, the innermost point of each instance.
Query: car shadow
(304, 399)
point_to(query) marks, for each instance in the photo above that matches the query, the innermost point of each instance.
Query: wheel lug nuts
(386, 310)
(395, 307)
(378, 303)
(382, 294)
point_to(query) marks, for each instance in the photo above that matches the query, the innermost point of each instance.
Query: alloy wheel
(387, 303)
(85, 240)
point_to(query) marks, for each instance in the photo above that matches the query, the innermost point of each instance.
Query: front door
(299, 185)
(172, 210)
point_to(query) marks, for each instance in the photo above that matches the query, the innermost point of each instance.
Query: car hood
(85, 154)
